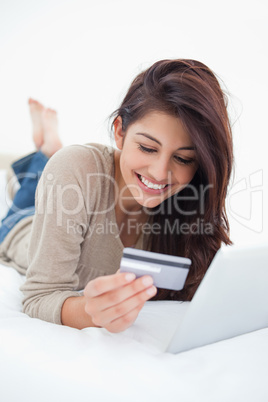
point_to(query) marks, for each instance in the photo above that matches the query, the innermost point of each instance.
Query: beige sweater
(73, 237)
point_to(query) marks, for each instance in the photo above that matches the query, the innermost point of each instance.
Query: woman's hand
(114, 302)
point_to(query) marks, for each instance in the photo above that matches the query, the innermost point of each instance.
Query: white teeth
(151, 185)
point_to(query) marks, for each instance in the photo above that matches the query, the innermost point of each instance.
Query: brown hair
(190, 91)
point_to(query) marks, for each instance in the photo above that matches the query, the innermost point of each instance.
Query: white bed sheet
(40, 361)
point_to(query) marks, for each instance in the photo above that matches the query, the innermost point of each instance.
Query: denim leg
(9, 222)
(28, 171)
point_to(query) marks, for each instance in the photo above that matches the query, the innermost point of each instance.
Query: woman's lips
(151, 190)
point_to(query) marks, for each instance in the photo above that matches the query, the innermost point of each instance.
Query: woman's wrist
(73, 313)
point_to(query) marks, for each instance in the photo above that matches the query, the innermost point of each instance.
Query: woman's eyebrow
(158, 142)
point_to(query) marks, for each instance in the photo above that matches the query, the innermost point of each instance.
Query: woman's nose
(160, 171)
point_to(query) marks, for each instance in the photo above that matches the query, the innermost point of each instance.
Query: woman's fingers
(125, 321)
(128, 301)
(118, 295)
(107, 283)
(114, 301)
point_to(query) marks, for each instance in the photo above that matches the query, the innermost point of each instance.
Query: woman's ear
(118, 133)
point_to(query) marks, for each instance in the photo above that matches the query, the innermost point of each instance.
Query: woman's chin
(149, 203)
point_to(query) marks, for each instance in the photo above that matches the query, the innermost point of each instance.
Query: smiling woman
(163, 189)
(180, 110)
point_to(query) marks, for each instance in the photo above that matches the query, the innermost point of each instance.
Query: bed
(40, 361)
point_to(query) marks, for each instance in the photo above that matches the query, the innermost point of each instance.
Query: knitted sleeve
(65, 199)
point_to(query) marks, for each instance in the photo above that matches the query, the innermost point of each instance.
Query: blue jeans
(28, 171)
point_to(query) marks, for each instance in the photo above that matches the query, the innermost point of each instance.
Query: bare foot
(36, 110)
(52, 142)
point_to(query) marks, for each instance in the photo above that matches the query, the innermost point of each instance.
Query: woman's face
(157, 159)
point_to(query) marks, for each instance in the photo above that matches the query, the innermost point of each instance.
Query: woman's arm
(55, 249)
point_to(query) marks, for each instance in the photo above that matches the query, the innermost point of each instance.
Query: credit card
(167, 271)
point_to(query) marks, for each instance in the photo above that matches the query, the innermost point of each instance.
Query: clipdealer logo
(245, 201)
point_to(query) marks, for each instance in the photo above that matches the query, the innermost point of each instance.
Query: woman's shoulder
(86, 157)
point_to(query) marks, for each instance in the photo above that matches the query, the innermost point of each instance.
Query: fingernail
(147, 281)
(130, 277)
(151, 291)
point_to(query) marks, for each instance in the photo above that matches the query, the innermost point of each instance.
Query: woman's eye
(183, 161)
(145, 149)
(177, 158)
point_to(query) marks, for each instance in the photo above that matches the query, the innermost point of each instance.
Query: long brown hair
(189, 90)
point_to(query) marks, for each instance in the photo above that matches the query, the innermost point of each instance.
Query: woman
(163, 189)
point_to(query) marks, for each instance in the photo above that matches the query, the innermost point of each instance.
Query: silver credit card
(167, 271)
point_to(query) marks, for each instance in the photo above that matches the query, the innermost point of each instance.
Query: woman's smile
(150, 185)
